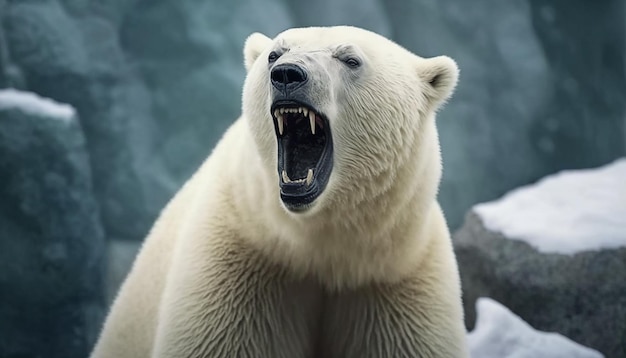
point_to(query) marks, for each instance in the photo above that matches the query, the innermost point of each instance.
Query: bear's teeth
(308, 180)
(312, 121)
(285, 177)
(279, 120)
(278, 113)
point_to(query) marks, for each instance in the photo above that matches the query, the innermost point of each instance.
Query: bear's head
(341, 114)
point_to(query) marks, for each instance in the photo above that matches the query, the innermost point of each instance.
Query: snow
(32, 103)
(566, 213)
(499, 333)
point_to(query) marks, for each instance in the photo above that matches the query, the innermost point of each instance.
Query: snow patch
(566, 213)
(32, 103)
(499, 333)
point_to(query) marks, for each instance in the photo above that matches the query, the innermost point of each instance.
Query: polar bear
(313, 229)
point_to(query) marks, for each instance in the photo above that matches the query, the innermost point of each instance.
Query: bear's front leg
(225, 300)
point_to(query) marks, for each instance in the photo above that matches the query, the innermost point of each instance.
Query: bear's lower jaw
(298, 195)
(305, 153)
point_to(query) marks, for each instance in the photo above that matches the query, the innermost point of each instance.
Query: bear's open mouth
(305, 149)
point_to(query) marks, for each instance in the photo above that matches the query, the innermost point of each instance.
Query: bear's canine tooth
(279, 120)
(312, 121)
(281, 124)
(309, 177)
(285, 177)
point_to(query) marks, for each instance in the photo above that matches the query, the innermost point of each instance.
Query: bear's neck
(350, 243)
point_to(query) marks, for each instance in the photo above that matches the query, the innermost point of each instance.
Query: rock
(156, 83)
(73, 55)
(120, 257)
(499, 333)
(51, 237)
(194, 69)
(368, 14)
(575, 287)
(535, 94)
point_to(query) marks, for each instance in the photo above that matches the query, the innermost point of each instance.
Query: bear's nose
(288, 76)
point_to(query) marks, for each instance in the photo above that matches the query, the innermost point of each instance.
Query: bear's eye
(273, 56)
(352, 62)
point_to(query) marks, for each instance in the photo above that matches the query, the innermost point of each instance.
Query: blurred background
(153, 84)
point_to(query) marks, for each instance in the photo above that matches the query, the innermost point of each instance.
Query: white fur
(367, 271)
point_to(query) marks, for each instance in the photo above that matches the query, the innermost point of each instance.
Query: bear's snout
(287, 77)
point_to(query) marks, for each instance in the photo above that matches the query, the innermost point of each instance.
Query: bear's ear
(441, 75)
(255, 44)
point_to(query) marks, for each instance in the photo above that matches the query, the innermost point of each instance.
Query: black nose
(288, 76)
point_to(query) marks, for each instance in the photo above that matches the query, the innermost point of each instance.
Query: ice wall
(157, 82)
